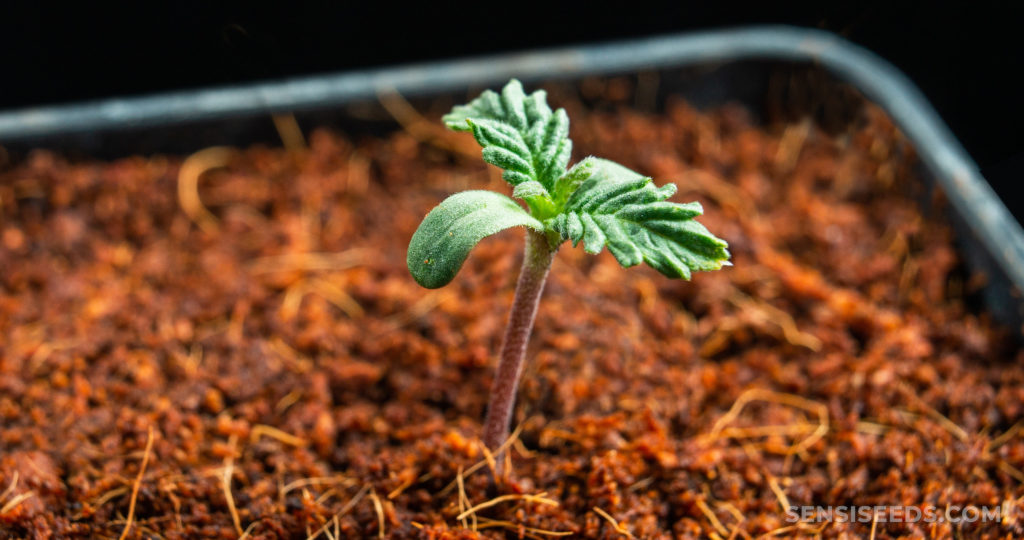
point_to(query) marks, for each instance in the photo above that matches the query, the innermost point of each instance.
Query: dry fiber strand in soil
(256, 362)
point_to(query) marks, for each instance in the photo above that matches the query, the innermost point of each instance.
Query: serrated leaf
(495, 155)
(516, 178)
(530, 189)
(494, 133)
(625, 211)
(536, 197)
(567, 184)
(483, 107)
(519, 133)
(451, 230)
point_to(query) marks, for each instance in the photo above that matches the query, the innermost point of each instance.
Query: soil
(265, 367)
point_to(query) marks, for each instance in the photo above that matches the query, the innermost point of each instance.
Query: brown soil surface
(271, 370)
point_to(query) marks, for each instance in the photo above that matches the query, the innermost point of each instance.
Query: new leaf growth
(598, 202)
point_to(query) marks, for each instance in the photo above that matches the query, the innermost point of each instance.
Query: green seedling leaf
(536, 197)
(451, 230)
(625, 211)
(522, 135)
(569, 182)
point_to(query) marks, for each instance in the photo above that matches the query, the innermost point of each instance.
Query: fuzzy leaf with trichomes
(598, 202)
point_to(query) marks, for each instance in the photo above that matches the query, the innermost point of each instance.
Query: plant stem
(536, 263)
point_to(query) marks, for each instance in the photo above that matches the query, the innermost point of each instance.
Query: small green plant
(596, 201)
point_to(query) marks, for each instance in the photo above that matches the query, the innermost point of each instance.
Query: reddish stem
(536, 263)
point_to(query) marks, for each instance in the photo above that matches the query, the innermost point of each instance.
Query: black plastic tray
(708, 68)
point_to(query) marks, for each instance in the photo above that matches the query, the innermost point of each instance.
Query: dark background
(965, 57)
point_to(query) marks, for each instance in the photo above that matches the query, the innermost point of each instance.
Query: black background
(967, 58)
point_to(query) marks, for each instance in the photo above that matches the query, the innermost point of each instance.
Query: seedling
(596, 201)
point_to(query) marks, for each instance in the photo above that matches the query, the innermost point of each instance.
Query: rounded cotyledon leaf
(451, 230)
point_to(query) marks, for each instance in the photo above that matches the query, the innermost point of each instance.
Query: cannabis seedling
(597, 201)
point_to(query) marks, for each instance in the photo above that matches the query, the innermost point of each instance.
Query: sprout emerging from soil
(597, 201)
